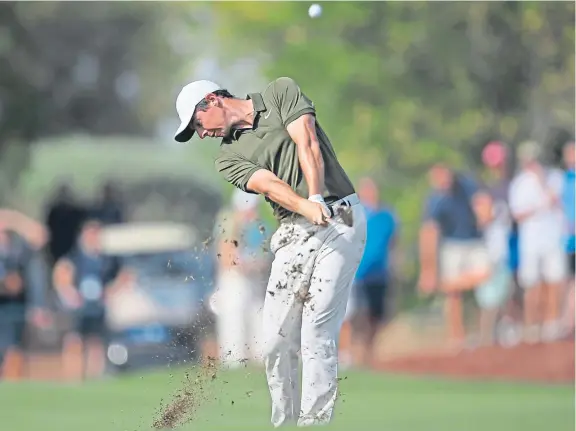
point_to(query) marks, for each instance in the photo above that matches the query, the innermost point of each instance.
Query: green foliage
(68, 67)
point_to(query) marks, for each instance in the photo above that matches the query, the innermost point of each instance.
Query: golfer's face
(211, 123)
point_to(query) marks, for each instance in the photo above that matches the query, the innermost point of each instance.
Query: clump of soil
(186, 402)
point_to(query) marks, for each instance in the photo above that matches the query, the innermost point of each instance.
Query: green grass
(370, 401)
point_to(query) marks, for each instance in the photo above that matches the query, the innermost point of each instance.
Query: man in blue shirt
(569, 208)
(372, 282)
(83, 279)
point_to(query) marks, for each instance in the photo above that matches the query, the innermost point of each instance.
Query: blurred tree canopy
(399, 85)
(69, 67)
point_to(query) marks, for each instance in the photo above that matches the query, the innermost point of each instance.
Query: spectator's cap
(529, 151)
(494, 154)
(242, 201)
(186, 102)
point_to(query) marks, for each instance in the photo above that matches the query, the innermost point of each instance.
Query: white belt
(348, 201)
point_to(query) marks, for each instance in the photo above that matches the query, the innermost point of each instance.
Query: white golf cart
(158, 317)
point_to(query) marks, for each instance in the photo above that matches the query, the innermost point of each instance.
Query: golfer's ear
(212, 99)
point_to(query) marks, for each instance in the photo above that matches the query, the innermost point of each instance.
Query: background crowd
(504, 235)
(56, 264)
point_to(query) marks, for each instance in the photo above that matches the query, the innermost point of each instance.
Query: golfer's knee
(318, 343)
(273, 346)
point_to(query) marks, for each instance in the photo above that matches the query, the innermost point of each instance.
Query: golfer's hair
(203, 104)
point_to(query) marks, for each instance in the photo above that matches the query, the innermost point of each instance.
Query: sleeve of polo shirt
(292, 103)
(236, 170)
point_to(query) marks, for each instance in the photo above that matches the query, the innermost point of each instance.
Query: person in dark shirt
(63, 220)
(22, 289)
(454, 216)
(109, 209)
(83, 279)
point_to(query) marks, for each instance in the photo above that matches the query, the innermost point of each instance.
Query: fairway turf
(239, 401)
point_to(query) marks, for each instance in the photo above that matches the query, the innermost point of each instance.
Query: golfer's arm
(428, 246)
(266, 183)
(303, 133)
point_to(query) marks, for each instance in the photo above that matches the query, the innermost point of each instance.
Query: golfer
(273, 145)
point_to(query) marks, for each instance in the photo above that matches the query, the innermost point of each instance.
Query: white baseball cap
(186, 102)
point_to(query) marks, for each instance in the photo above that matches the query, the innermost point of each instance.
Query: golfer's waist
(347, 201)
(332, 203)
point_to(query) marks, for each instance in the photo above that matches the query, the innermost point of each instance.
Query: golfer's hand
(319, 199)
(315, 212)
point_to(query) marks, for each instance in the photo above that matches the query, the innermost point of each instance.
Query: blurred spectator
(569, 208)
(367, 308)
(535, 204)
(109, 208)
(23, 288)
(64, 218)
(493, 295)
(241, 281)
(453, 256)
(83, 279)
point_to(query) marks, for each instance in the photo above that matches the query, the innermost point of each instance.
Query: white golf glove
(319, 199)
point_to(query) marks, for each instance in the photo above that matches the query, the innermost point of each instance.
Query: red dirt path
(546, 363)
(549, 363)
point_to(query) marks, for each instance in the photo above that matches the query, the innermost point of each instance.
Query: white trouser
(305, 303)
(541, 262)
(239, 319)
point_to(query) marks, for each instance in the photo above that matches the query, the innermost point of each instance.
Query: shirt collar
(257, 101)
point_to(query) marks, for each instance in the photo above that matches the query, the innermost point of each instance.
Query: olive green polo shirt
(267, 145)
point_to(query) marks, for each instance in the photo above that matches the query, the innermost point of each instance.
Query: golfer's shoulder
(281, 86)
(231, 156)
